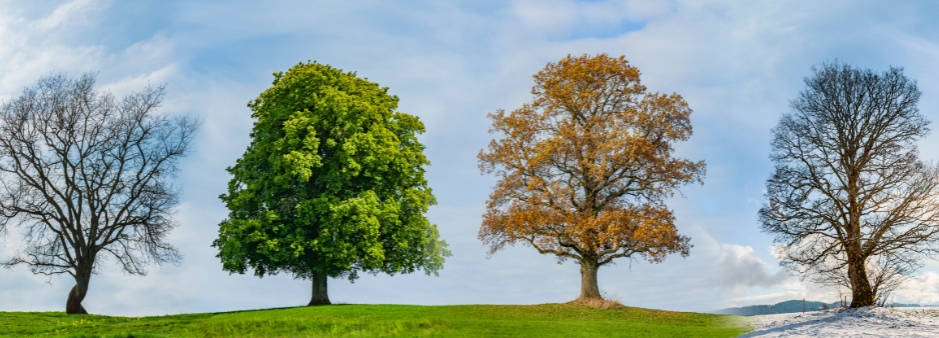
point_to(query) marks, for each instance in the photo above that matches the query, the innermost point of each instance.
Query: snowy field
(865, 322)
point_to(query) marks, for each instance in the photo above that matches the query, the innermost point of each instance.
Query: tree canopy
(584, 169)
(331, 185)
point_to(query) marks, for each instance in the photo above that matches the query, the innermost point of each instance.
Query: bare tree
(849, 185)
(86, 176)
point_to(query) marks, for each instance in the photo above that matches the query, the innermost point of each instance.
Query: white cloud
(739, 266)
(33, 47)
(922, 289)
(554, 15)
(72, 12)
(146, 62)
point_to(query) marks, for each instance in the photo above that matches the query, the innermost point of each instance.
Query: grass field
(547, 320)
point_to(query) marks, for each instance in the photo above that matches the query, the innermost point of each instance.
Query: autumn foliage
(584, 169)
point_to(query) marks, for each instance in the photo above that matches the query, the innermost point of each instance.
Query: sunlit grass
(546, 320)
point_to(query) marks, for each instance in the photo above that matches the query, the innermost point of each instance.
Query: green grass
(546, 320)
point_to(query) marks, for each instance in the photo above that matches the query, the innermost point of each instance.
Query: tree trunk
(73, 305)
(588, 281)
(861, 292)
(319, 290)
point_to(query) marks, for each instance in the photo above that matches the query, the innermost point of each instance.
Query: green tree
(331, 185)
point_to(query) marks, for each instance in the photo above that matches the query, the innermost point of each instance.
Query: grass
(546, 320)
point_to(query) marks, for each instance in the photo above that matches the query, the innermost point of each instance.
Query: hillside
(789, 306)
(546, 320)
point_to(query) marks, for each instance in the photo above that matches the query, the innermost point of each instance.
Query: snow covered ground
(865, 322)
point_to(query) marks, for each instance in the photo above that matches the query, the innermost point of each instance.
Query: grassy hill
(546, 320)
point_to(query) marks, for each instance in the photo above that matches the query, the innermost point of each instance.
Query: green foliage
(332, 183)
(546, 320)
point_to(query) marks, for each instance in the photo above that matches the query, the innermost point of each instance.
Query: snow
(864, 322)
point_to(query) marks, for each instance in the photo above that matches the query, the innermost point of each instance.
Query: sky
(737, 64)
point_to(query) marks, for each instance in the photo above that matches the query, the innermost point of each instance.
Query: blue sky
(737, 63)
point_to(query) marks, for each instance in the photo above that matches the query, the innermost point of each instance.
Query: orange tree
(584, 169)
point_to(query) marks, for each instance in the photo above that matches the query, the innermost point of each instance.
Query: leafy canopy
(584, 169)
(333, 182)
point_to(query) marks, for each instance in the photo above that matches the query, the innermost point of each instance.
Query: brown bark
(588, 281)
(862, 294)
(319, 290)
(73, 305)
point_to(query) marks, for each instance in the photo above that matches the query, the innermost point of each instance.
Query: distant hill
(789, 306)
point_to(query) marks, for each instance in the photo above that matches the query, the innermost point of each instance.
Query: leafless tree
(86, 176)
(848, 185)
